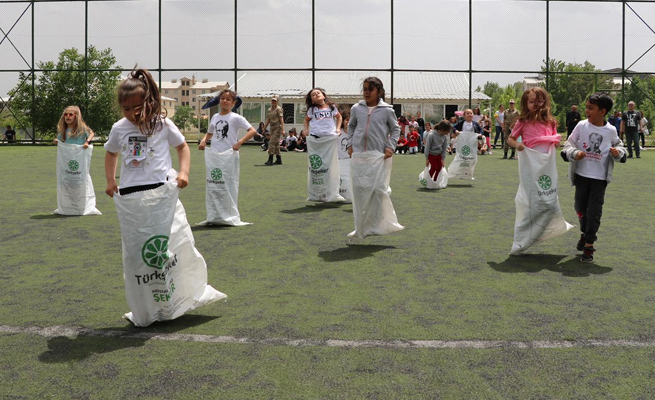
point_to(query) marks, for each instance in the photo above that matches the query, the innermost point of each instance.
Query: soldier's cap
(512, 101)
(275, 97)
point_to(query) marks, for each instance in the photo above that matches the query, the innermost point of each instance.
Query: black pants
(140, 188)
(589, 200)
(632, 138)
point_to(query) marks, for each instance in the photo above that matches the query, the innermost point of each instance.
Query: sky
(428, 34)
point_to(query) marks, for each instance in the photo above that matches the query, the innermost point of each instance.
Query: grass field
(293, 276)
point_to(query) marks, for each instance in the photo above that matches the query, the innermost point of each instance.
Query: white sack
(323, 170)
(429, 183)
(75, 195)
(165, 275)
(372, 207)
(538, 213)
(222, 188)
(345, 185)
(466, 157)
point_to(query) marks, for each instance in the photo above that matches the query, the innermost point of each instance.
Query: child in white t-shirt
(143, 138)
(591, 149)
(225, 126)
(321, 115)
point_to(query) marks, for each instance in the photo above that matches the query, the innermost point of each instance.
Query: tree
(572, 84)
(62, 84)
(184, 117)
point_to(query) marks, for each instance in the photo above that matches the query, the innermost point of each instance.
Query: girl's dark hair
(345, 114)
(375, 82)
(140, 83)
(228, 91)
(403, 119)
(310, 103)
(444, 126)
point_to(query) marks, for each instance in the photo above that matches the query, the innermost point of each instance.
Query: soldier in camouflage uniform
(511, 116)
(275, 117)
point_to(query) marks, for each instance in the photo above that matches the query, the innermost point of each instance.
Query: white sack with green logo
(372, 208)
(345, 185)
(323, 170)
(222, 188)
(165, 275)
(75, 194)
(466, 157)
(428, 182)
(538, 213)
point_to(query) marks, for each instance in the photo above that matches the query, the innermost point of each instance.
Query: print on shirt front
(137, 146)
(632, 120)
(222, 127)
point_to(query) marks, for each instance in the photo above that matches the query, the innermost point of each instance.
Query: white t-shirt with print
(225, 129)
(322, 121)
(596, 142)
(144, 160)
(343, 146)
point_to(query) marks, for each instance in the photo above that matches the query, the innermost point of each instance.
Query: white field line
(72, 332)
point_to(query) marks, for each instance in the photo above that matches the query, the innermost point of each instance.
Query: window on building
(252, 112)
(411, 109)
(288, 109)
(433, 113)
(194, 107)
(194, 91)
(193, 100)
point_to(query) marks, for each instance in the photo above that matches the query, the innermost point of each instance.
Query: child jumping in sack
(592, 149)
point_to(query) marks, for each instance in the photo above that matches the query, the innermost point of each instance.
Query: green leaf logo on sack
(73, 165)
(315, 161)
(466, 150)
(424, 182)
(544, 182)
(216, 174)
(155, 251)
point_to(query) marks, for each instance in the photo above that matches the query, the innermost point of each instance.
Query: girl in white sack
(323, 120)
(373, 134)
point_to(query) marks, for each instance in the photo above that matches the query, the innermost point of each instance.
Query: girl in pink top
(536, 125)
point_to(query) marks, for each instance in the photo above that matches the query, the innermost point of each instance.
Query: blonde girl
(72, 129)
(536, 125)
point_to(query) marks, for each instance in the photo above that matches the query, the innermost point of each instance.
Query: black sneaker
(587, 255)
(581, 243)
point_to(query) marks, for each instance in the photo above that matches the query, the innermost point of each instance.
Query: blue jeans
(499, 133)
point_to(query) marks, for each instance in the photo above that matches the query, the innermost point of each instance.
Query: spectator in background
(500, 119)
(302, 142)
(572, 119)
(630, 124)
(402, 121)
(615, 120)
(643, 130)
(10, 135)
(477, 117)
(292, 140)
(401, 148)
(261, 133)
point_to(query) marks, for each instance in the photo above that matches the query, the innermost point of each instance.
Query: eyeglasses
(69, 114)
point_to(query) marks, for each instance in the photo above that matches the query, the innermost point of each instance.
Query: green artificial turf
(293, 274)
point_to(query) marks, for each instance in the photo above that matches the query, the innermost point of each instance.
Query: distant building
(617, 77)
(530, 82)
(436, 95)
(186, 91)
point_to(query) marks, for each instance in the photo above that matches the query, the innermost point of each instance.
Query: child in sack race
(155, 232)
(592, 149)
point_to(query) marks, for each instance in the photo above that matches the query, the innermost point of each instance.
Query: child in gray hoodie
(373, 134)
(373, 125)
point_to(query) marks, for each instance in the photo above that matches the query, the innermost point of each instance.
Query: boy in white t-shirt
(591, 149)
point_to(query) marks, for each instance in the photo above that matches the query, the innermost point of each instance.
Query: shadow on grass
(539, 262)
(63, 349)
(316, 207)
(352, 252)
(210, 227)
(55, 216)
(425, 190)
(460, 185)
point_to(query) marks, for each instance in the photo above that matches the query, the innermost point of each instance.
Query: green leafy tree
(568, 85)
(55, 89)
(184, 118)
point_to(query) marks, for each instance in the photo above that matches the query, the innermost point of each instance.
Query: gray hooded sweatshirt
(375, 130)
